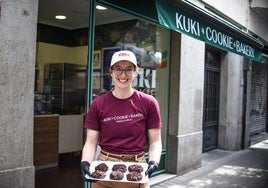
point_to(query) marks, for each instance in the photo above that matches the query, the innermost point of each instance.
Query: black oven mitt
(152, 166)
(85, 170)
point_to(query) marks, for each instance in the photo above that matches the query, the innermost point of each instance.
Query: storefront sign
(179, 20)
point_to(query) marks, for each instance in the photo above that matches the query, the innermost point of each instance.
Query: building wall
(187, 88)
(257, 25)
(231, 102)
(241, 13)
(231, 128)
(186, 104)
(256, 21)
(235, 10)
(18, 24)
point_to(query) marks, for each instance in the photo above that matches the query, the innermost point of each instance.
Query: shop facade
(211, 94)
(204, 58)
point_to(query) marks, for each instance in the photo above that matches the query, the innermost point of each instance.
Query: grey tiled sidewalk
(225, 169)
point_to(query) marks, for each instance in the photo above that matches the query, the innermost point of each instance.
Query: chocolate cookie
(98, 174)
(116, 175)
(120, 167)
(102, 167)
(134, 176)
(135, 168)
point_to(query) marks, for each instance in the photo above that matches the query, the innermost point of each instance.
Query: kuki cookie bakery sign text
(212, 35)
(179, 20)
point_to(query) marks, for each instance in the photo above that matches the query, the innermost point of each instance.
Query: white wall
(236, 10)
(240, 12)
(52, 53)
(71, 133)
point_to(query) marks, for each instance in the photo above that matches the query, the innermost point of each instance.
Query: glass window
(150, 44)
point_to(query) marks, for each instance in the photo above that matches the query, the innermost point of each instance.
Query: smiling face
(123, 74)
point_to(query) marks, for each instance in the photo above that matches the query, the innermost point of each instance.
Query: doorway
(211, 100)
(61, 63)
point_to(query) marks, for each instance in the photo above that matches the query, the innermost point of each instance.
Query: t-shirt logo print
(123, 118)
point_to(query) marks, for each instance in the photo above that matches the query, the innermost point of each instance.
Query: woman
(120, 121)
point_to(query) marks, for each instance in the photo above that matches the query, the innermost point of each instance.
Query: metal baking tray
(110, 165)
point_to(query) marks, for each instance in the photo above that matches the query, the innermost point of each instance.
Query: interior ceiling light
(99, 7)
(60, 17)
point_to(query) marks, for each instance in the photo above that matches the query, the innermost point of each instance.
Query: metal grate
(211, 100)
(211, 107)
(258, 112)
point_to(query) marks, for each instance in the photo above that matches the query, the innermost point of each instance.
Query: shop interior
(61, 79)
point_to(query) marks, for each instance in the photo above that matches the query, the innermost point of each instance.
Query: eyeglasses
(119, 70)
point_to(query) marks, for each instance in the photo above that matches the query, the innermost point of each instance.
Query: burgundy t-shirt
(123, 123)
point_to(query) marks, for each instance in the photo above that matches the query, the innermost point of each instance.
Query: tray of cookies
(118, 171)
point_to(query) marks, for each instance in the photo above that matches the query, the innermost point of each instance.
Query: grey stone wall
(18, 24)
(186, 104)
(231, 102)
